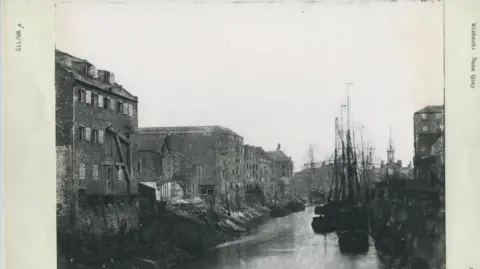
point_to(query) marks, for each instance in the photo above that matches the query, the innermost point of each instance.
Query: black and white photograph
(250, 134)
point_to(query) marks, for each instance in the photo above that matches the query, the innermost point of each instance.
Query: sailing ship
(325, 221)
(295, 205)
(353, 223)
(345, 211)
(276, 210)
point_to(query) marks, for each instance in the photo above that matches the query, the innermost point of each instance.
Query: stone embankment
(186, 230)
(412, 235)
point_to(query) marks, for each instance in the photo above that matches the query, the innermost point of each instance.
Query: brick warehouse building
(250, 164)
(282, 172)
(160, 166)
(218, 150)
(282, 164)
(428, 132)
(96, 122)
(265, 173)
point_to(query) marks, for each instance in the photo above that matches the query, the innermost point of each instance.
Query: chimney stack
(278, 147)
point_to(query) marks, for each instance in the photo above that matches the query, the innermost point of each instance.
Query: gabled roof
(432, 109)
(156, 144)
(277, 156)
(215, 129)
(74, 65)
(149, 143)
(260, 149)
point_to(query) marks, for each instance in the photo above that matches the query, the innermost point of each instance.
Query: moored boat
(322, 225)
(296, 206)
(345, 211)
(353, 218)
(279, 211)
(331, 208)
(353, 241)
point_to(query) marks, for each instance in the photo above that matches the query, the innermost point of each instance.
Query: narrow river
(285, 243)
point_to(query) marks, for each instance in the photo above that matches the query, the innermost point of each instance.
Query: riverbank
(412, 233)
(186, 231)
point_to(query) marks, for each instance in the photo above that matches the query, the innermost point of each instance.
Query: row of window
(233, 172)
(89, 134)
(438, 116)
(251, 166)
(98, 100)
(205, 191)
(110, 171)
(237, 184)
(425, 128)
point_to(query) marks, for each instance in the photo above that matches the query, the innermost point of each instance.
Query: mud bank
(196, 234)
(183, 236)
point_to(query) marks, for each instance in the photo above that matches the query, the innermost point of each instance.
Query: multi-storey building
(218, 150)
(96, 125)
(265, 173)
(282, 164)
(428, 129)
(282, 172)
(250, 164)
(166, 169)
(265, 164)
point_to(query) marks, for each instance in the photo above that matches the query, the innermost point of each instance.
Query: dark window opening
(106, 102)
(94, 136)
(109, 171)
(82, 198)
(119, 107)
(139, 165)
(94, 99)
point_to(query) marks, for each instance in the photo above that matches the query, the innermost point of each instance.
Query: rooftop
(432, 109)
(259, 149)
(147, 144)
(74, 65)
(277, 155)
(156, 145)
(187, 130)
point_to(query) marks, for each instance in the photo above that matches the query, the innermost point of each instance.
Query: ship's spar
(345, 210)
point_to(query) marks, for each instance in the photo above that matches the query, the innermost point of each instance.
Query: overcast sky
(274, 73)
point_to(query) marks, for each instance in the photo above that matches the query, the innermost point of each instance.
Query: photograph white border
(29, 124)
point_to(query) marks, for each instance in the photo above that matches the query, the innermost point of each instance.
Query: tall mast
(349, 168)
(343, 170)
(350, 153)
(354, 164)
(364, 166)
(334, 184)
(342, 121)
(348, 105)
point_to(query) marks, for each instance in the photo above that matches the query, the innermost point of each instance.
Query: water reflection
(283, 243)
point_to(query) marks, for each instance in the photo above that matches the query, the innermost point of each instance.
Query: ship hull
(278, 212)
(322, 225)
(353, 241)
(296, 207)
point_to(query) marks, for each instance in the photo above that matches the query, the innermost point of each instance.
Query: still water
(285, 243)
